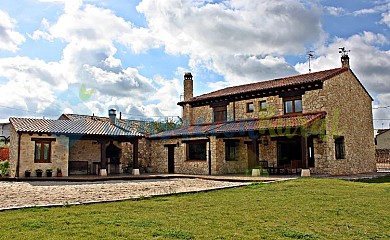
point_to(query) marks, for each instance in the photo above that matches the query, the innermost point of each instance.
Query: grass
(300, 209)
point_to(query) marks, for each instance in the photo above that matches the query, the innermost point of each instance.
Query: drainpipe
(208, 137)
(18, 161)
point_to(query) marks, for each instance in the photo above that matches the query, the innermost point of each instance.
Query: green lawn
(300, 209)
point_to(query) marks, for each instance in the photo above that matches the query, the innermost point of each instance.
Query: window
(220, 114)
(249, 107)
(293, 105)
(231, 150)
(196, 150)
(42, 151)
(263, 105)
(339, 147)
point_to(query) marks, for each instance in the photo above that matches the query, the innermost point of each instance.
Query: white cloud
(370, 64)
(386, 18)
(335, 11)
(167, 95)
(24, 69)
(9, 38)
(379, 7)
(225, 36)
(90, 34)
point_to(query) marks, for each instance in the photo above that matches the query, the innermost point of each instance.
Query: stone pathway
(28, 194)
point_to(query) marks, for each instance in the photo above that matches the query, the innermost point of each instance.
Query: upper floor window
(339, 147)
(250, 107)
(293, 105)
(220, 114)
(42, 152)
(263, 105)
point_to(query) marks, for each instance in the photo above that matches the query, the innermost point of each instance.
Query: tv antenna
(343, 51)
(310, 55)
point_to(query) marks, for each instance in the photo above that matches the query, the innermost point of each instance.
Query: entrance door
(253, 154)
(171, 159)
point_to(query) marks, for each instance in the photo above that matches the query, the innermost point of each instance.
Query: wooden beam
(305, 153)
(135, 154)
(103, 157)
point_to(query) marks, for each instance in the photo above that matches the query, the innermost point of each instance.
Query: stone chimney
(188, 86)
(345, 61)
(112, 115)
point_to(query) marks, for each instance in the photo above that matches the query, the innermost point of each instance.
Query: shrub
(4, 168)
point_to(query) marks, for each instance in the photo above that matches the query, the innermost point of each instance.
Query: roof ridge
(271, 83)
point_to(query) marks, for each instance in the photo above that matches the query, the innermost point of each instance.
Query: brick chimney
(188, 86)
(345, 61)
(112, 115)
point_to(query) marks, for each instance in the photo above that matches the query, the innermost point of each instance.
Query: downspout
(208, 137)
(18, 160)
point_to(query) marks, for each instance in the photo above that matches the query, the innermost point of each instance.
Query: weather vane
(310, 55)
(343, 51)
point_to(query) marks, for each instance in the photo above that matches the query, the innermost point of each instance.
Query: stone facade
(348, 114)
(59, 154)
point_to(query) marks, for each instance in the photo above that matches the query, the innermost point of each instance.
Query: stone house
(320, 121)
(382, 139)
(76, 146)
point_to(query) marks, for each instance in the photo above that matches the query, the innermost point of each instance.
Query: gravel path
(28, 194)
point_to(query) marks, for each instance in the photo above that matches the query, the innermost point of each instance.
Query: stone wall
(220, 165)
(13, 152)
(274, 108)
(349, 114)
(59, 154)
(202, 114)
(144, 152)
(159, 156)
(85, 150)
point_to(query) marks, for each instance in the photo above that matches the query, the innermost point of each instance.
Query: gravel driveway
(28, 194)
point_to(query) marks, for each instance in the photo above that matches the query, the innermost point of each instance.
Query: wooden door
(253, 154)
(171, 159)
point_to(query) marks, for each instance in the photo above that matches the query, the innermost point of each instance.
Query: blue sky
(132, 55)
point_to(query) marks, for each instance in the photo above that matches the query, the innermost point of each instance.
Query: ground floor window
(231, 150)
(196, 150)
(42, 153)
(339, 147)
(288, 151)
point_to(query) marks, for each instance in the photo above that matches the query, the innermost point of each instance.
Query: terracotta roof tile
(271, 84)
(279, 122)
(78, 127)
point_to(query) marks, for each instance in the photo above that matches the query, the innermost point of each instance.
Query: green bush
(4, 168)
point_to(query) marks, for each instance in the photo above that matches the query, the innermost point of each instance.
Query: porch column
(103, 157)
(255, 149)
(135, 154)
(305, 159)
